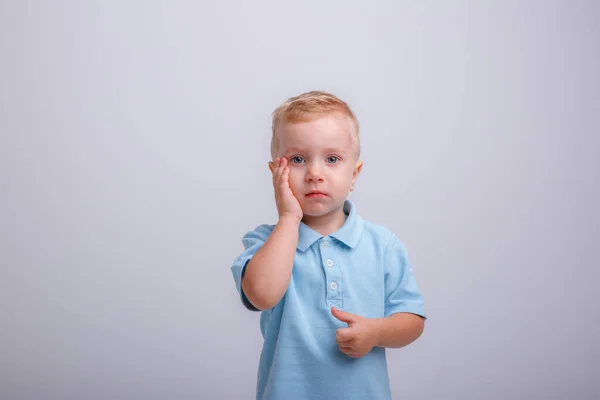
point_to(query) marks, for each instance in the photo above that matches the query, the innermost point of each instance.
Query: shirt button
(330, 263)
(325, 243)
(333, 285)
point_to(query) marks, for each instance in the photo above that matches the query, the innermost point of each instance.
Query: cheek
(344, 178)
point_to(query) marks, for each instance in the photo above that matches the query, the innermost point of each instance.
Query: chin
(317, 209)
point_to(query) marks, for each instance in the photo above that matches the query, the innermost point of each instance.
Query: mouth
(316, 194)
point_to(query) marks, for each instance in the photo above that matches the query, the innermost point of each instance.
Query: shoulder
(377, 232)
(381, 235)
(258, 234)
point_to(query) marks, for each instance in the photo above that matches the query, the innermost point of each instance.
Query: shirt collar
(349, 233)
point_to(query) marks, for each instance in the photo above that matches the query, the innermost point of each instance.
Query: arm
(268, 273)
(398, 330)
(362, 334)
(404, 309)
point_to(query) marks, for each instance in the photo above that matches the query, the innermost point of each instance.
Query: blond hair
(309, 106)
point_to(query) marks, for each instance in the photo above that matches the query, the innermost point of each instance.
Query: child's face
(321, 158)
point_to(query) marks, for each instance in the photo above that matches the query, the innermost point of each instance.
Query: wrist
(289, 219)
(377, 328)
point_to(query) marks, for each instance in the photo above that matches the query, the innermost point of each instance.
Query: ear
(271, 165)
(355, 173)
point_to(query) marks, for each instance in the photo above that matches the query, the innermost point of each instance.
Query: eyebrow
(327, 150)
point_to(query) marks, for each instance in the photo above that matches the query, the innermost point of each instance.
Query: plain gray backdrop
(134, 141)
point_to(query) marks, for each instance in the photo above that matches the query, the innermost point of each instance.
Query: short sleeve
(252, 242)
(401, 291)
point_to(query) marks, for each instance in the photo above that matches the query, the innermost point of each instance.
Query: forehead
(321, 133)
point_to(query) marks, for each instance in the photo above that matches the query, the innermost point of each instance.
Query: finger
(274, 170)
(345, 342)
(282, 184)
(285, 176)
(349, 352)
(346, 349)
(283, 163)
(277, 172)
(344, 335)
(282, 175)
(343, 316)
(281, 169)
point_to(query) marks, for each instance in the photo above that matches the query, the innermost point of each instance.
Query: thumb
(343, 316)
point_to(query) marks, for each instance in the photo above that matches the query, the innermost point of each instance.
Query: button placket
(333, 278)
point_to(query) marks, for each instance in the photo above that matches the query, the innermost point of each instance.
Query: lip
(316, 194)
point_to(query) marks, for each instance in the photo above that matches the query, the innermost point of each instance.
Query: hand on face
(287, 204)
(359, 337)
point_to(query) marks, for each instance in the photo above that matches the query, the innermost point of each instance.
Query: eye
(297, 160)
(333, 159)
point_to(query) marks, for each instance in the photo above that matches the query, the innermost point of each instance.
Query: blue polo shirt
(363, 268)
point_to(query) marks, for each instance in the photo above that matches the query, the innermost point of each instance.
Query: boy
(334, 290)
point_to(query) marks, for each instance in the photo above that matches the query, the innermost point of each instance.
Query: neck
(328, 223)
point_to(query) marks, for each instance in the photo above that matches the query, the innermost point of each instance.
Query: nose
(313, 174)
